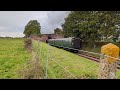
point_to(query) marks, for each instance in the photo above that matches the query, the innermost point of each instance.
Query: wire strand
(100, 54)
(64, 68)
(51, 72)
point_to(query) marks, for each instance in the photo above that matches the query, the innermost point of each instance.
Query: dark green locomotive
(74, 43)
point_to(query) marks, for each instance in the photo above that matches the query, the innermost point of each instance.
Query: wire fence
(48, 56)
(47, 61)
(47, 67)
(64, 68)
(52, 72)
(100, 54)
(60, 65)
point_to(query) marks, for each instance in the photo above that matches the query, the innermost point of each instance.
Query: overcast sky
(12, 23)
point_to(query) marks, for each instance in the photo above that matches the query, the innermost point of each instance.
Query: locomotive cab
(76, 42)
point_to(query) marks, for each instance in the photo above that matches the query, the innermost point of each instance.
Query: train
(71, 43)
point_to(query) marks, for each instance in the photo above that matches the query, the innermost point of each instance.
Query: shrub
(33, 70)
(28, 44)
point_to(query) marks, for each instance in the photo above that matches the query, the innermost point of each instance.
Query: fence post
(46, 75)
(108, 66)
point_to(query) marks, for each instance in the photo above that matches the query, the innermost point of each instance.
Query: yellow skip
(110, 50)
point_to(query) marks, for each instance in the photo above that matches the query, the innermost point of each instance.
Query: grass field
(78, 66)
(13, 57)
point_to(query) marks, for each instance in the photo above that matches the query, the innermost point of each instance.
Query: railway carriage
(66, 43)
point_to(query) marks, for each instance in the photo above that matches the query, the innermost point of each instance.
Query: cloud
(55, 19)
(2, 28)
(13, 22)
(11, 34)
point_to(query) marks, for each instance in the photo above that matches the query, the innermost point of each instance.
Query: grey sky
(12, 23)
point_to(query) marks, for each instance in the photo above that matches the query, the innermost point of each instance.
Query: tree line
(33, 28)
(90, 26)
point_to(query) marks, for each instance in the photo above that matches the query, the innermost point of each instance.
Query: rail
(100, 54)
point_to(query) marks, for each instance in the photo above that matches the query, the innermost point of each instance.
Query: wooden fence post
(108, 66)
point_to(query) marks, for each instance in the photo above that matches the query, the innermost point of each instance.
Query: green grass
(13, 57)
(78, 66)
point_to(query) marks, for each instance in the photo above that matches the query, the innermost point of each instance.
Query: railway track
(89, 57)
(94, 59)
(86, 56)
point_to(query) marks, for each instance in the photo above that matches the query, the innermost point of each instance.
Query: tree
(108, 22)
(117, 34)
(58, 31)
(33, 27)
(91, 26)
(81, 24)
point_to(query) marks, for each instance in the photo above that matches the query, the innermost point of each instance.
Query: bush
(104, 43)
(28, 44)
(33, 70)
(89, 47)
(97, 44)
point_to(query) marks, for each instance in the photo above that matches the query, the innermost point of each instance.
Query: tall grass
(13, 57)
(78, 66)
